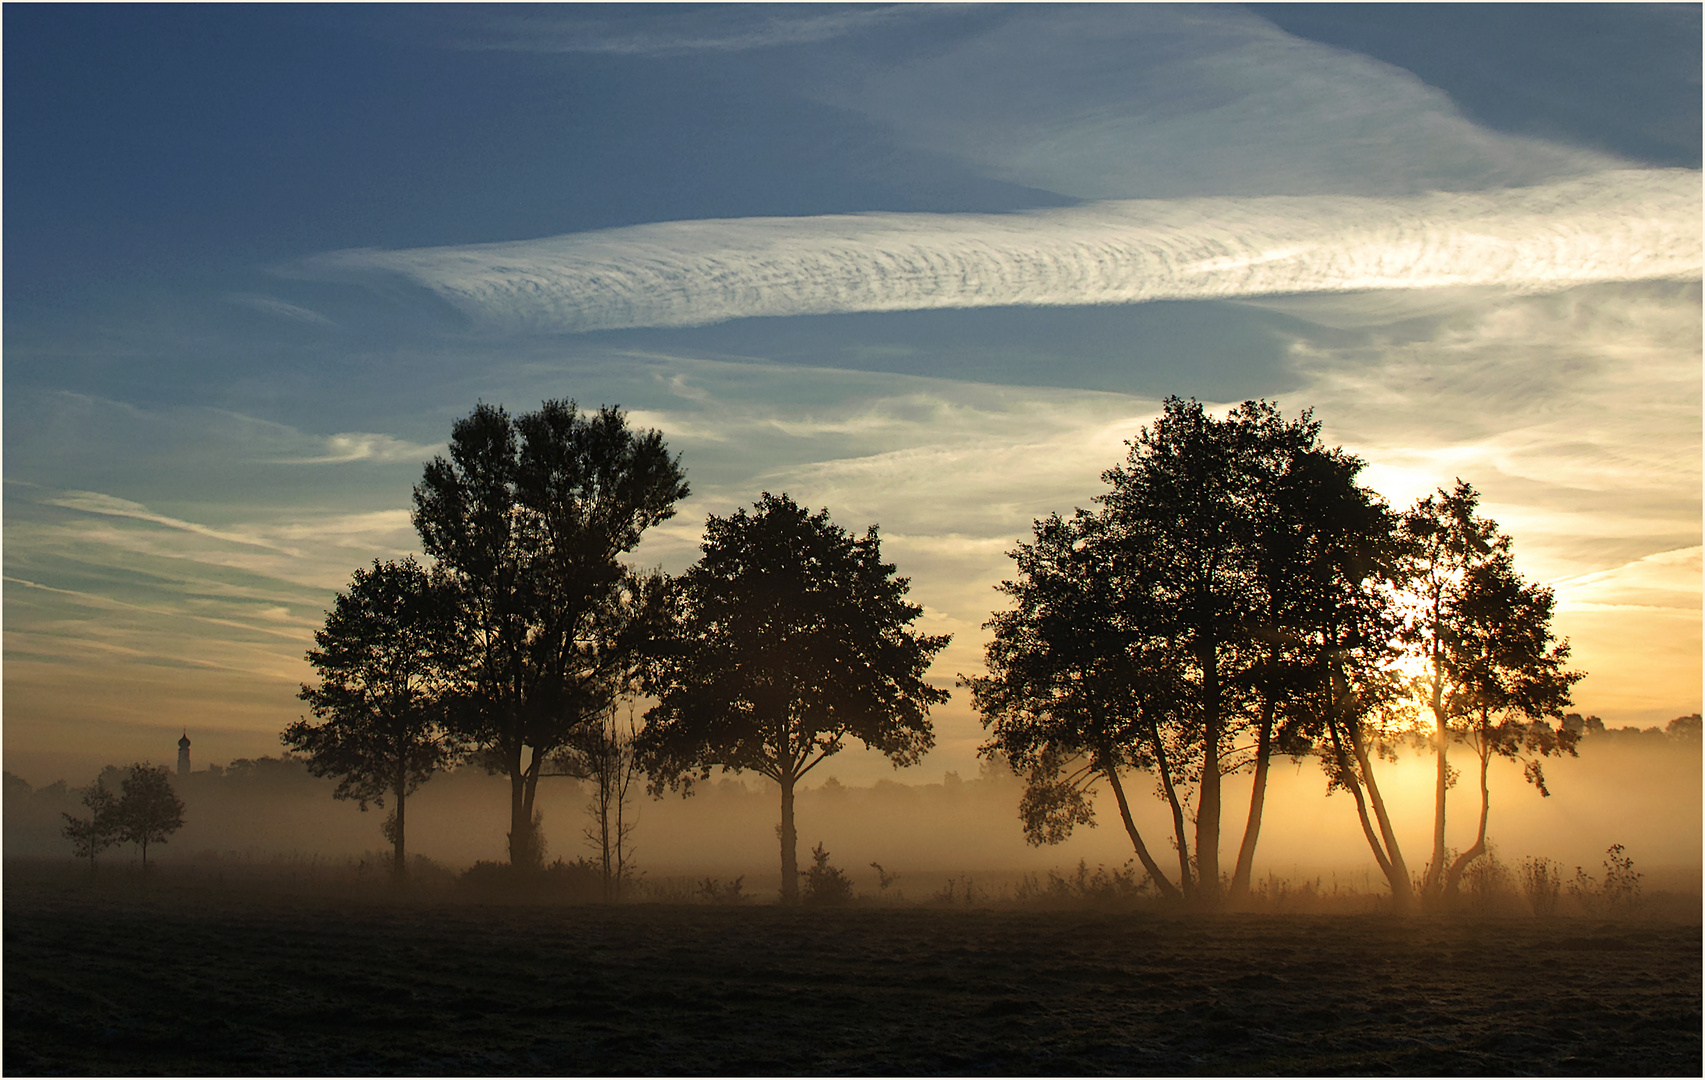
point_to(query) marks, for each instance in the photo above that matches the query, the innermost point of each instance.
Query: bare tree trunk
(1180, 836)
(1354, 785)
(1454, 878)
(1257, 802)
(1166, 887)
(399, 857)
(1186, 880)
(789, 843)
(1441, 740)
(535, 839)
(1441, 784)
(521, 851)
(1402, 892)
(624, 780)
(1208, 803)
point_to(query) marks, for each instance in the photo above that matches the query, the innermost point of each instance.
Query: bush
(1084, 888)
(1541, 882)
(885, 878)
(825, 885)
(961, 890)
(1618, 894)
(1488, 886)
(713, 891)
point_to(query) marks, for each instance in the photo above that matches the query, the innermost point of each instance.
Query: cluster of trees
(145, 811)
(785, 640)
(1238, 595)
(1235, 596)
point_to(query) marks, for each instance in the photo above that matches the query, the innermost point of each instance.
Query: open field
(118, 979)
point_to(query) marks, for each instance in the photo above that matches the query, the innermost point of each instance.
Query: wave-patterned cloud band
(1615, 226)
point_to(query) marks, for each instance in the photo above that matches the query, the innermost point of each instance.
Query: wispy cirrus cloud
(1616, 226)
(93, 502)
(1114, 101)
(271, 305)
(674, 30)
(366, 446)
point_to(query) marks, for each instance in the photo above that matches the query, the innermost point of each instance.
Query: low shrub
(1617, 894)
(825, 885)
(1541, 885)
(1101, 887)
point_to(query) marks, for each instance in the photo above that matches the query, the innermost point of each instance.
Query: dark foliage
(790, 637)
(1494, 675)
(148, 810)
(390, 659)
(529, 517)
(92, 835)
(825, 885)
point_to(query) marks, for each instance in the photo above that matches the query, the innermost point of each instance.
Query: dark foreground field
(180, 982)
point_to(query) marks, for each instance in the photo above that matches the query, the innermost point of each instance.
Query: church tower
(183, 754)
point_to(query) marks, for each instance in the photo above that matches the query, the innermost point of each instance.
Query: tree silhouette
(790, 637)
(1186, 520)
(528, 517)
(1347, 695)
(390, 660)
(100, 830)
(1162, 631)
(603, 753)
(1490, 664)
(1077, 691)
(149, 810)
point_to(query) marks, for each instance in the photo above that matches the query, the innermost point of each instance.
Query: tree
(149, 810)
(390, 660)
(1227, 603)
(1509, 681)
(1325, 673)
(100, 830)
(1482, 639)
(529, 517)
(1319, 541)
(604, 754)
(1155, 633)
(790, 637)
(1187, 516)
(1075, 692)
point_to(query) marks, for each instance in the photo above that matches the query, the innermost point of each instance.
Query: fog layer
(1639, 790)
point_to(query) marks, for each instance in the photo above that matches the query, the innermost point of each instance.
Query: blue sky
(926, 266)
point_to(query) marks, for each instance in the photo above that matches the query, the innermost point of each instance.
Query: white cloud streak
(282, 309)
(1616, 226)
(717, 29)
(93, 502)
(1115, 101)
(367, 446)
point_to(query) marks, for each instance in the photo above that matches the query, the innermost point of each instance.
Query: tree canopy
(391, 660)
(100, 830)
(1490, 665)
(1238, 595)
(529, 517)
(790, 636)
(148, 810)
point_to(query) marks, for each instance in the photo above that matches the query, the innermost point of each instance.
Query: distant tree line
(1236, 595)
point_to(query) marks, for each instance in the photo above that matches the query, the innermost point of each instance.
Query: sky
(926, 266)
